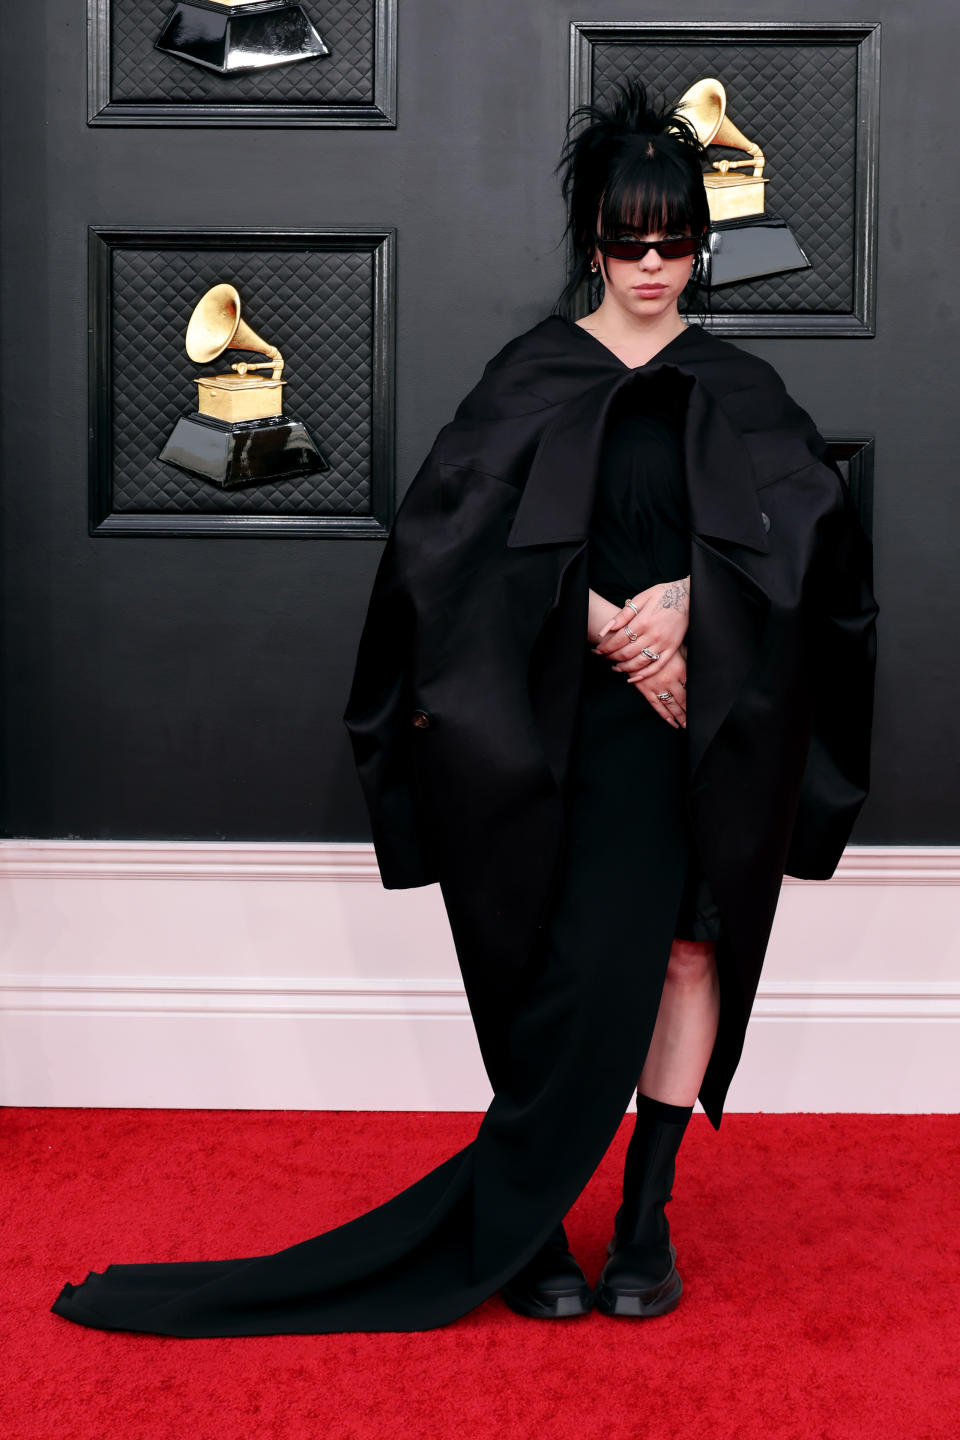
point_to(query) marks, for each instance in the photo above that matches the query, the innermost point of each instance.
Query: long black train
(577, 1033)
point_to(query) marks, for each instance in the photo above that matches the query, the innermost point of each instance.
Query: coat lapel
(557, 500)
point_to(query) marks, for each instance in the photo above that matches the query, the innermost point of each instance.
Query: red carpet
(819, 1255)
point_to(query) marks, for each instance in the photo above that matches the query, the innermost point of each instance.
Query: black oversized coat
(466, 685)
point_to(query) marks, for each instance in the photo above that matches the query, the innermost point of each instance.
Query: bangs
(651, 192)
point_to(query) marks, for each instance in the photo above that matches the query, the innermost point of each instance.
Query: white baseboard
(125, 982)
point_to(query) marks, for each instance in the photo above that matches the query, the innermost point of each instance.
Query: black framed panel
(325, 298)
(808, 94)
(131, 82)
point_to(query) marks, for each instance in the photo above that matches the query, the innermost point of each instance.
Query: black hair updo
(639, 165)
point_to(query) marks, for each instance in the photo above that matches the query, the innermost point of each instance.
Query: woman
(609, 821)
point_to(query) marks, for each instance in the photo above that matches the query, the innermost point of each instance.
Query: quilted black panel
(316, 305)
(141, 73)
(798, 102)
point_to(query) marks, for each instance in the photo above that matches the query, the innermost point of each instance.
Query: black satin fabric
(578, 1023)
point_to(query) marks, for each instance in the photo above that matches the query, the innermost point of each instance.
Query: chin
(640, 306)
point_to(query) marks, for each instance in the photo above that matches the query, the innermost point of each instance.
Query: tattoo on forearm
(677, 595)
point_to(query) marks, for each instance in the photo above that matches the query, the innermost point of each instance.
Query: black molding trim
(861, 320)
(103, 110)
(857, 453)
(101, 242)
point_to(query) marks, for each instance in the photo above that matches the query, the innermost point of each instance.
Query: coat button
(421, 719)
(766, 519)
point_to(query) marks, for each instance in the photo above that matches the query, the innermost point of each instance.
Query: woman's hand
(660, 625)
(672, 670)
(672, 679)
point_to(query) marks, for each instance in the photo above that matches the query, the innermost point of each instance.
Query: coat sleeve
(843, 652)
(377, 716)
(444, 546)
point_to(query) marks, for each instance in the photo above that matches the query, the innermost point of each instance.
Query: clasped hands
(660, 626)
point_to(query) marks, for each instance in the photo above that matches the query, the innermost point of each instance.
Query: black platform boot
(551, 1285)
(640, 1278)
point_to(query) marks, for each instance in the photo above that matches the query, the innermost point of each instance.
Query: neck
(626, 328)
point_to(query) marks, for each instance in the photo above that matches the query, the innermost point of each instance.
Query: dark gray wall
(193, 687)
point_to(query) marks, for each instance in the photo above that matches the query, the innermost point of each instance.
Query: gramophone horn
(705, 106)
(215, 326)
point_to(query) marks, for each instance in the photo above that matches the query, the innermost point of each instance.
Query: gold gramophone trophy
(233, 36)
(744, 240)
(238, 435)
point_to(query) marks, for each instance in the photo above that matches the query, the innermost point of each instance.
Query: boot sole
(565, 1307)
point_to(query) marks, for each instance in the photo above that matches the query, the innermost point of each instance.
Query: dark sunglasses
(637, 249)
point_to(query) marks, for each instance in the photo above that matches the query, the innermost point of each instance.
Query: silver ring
(632, 606)
(664, 695)
(630, 633)
(651, 654)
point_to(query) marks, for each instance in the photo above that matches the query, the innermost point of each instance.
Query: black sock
(660, 1110)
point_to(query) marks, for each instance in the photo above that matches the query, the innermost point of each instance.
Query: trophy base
(254, 36)
(755, 245)
(242, 452)
(733, 195)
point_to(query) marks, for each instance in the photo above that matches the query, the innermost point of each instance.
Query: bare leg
(686, 1024)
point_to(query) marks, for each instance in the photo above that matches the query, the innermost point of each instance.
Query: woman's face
(645, 288)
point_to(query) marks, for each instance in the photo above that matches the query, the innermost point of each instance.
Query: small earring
(594, 268)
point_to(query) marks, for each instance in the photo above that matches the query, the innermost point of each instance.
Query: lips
(648, 289)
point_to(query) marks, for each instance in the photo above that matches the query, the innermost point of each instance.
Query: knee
(691, 962)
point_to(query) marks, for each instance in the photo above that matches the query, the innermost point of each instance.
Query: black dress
(640, 536)
(628, 883)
